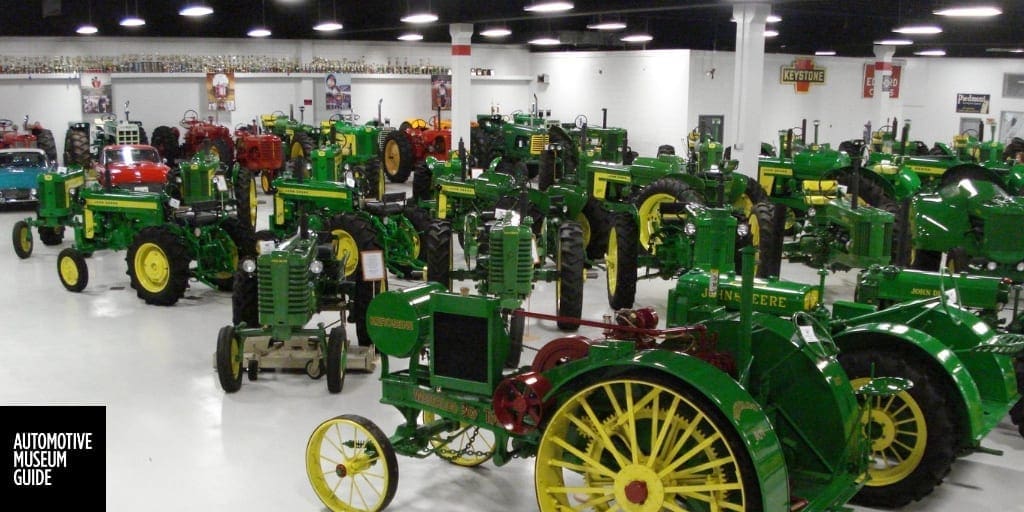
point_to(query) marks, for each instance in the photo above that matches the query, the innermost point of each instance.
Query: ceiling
(847, 26)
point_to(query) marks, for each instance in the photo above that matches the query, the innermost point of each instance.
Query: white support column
(748, 85)
(462, 98)
(884, 106)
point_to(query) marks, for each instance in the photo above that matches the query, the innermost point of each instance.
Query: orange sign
(802, 74)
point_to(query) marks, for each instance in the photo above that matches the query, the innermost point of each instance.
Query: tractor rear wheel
(245, 197)
(236, 241)
(21, 238)
(299, 150)
(420, 220)
(422, 184)
(51, 236)
(594, 220)
(398, 156)
(46, 142)
(229, 359)
(245, 305)
(913, 435)
(72, 270)
(766, 236)
(648, 201)
(351, 464)
(351, 236)
(437, 248)
(76, 147)
(158, 264)
(337, 351)
(546, 170)
(569, 287)
(596, 450)
(744, 206)
(621, 261)
(165, 140)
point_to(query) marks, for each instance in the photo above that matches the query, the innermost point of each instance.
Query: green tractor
(275, 296)
(298, 139)
(518, 139)
(962, 369)
(83, 143)
(715, 416)
(356, 147)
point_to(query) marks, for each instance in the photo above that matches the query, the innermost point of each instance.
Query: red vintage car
(132, 166)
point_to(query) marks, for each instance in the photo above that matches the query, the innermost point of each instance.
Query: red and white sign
(890, 83)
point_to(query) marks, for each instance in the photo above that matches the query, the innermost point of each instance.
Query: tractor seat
(384, 209)
(192, 218)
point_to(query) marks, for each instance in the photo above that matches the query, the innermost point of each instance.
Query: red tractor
(10, 137)
(197, 132)
(259, 153)
(413, 141)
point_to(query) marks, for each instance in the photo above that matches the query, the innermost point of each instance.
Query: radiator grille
(538, 143)
(296, 290)
(460, 347)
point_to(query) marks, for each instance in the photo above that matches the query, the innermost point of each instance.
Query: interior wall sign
(802, 73)
(890, 82)
(972, 103)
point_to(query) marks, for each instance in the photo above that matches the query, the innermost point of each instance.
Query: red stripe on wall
(460, 49)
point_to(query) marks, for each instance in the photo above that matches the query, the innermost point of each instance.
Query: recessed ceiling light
(327, 26)
(420, 17)
(87, 29)
(825, 53)
(132, 21)
(412, 36)
(637, 38)
(771, 33)
(773, 18)
(195, 10)
(546, 41)
(973, 11)
(496, 32)
(895, 42)
(918, 29)
(931, 53)
(1005, 50)
(607, 25)
(548, 6)
(259, 32)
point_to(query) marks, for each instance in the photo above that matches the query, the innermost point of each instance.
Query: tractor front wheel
(245, 306)
(422, 184)
(398, 156)
(229, 359)
(245, 198)
(766, 235)
(351, 464)
(648, 203)
(158, 266)
(266, 182)
(337, 351)
(437, 247)
(569, 287)
(72, 270)
(21, 237)
(621, 261)
(594, 220)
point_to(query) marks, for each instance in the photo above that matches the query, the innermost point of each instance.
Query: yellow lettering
(393, 323)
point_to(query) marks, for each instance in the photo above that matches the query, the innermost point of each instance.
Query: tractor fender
(736, 404)
(972, 172)
(1015, 180)
(898, 183)
(914, 341)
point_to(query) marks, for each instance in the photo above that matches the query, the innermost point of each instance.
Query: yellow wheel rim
(265, 181)
(611, 261)
(478, 444)
(414, 239)
(344, 466)
(650, 217)
(236, 356)
(152, 268)
(746, 206)
(898, 433)
(25, 239)
(68, 271)
(232, 250)
(392, 157)
(346, 247)
(585, 225)
(639, 447)
(252, 205)
(297, 150)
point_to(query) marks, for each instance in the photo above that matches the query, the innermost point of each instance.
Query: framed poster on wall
(96, 93)
(220, 91)
(440, 92)
(1011, 124)
(1013, 85)
(338, 88)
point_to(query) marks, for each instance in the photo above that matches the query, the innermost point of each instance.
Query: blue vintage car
(19, 171)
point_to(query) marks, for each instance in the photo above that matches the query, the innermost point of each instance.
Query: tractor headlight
(316, 267)
(197, 232)
(1020, 267)
(742, 229)
(991, 265)
(811, 212)
(690, 229)
(248, 265)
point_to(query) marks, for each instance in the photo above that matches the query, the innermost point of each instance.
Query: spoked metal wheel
(351, 465)
(468, 446)
(633, 444)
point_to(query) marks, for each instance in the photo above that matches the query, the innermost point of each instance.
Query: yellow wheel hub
(25, 239)
(898, 433)
(345, 247)
(68, 271)
(152, 269)
(392, 157)
(611, 261)
(650, 217)
(638, 488)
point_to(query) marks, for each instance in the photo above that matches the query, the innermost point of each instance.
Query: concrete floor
(176, 441)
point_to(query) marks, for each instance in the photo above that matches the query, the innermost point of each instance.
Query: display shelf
(39, 76)
(504, 78)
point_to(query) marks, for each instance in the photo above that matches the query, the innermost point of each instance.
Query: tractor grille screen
(460, 347)
(538, 143)
(867, 232)
(296, 292)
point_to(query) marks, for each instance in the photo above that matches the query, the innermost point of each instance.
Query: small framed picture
(373, 265)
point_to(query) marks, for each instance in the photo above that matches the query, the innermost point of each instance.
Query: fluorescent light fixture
(546, 41)
(825, 53)
(895, 42)
(971, 11)
(195, 10)
(918, 29)
(327, 26)
(87, 29)
(132, 21)
(607, 25)
(548, 7)
(931, 53)
(496, 32)
(412, 36)
(259, 32)
(1005, 50)
(773, 18)
(637, 38)
(771, 33)
(419, 17)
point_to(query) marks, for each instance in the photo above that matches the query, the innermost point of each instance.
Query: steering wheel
(189, 119)
(814, 336)
(108, 117)
(969, 132)
(581, 121)
(335, 117)
(5, 124)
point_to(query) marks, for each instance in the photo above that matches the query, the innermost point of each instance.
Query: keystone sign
(802, 74)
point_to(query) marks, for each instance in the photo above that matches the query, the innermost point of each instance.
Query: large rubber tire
(876, 196)
(51, 236)
(546, 169)
(917, 427)
(297, 153)
(337, 350)
(422, 184)
(245, 305)
(229, 359)
(744, 208)
(594, 220)
(569, 287)
(165, 140)
(243, 245)
(354, 235)
(621, 261)
(437, 249)
(1017, 412)
(76, 147)
(397, 157)
(245, 198)
(158, 264)
(590, 426)
(357, 446)
(72, 270)
(46, 142)
(770, 222)
(420, 219)
(21, 239)
(570, 153)
(647, 204)
(143, 139)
